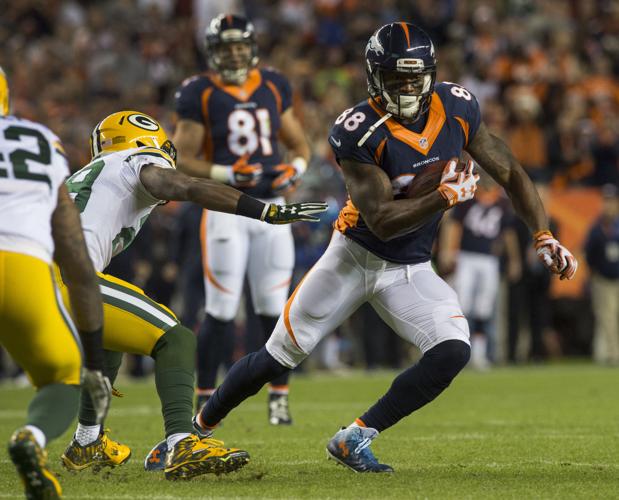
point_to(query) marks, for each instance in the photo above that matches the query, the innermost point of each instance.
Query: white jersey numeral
(459, 91)
(350, 122)
(246, 135)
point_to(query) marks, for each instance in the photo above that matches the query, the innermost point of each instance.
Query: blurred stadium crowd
(544, 71)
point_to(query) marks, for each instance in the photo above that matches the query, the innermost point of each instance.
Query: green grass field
(539, 432)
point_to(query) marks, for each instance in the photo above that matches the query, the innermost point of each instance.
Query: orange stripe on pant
(207, 272)
(287, 311)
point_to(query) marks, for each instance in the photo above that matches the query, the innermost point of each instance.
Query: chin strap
(373, 128)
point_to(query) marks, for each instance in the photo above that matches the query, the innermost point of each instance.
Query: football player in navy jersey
(380, 251)
(229, 122)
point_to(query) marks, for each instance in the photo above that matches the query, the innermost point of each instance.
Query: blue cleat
(351, 447)
(156, 458)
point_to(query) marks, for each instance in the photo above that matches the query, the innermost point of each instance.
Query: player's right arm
(188, 139)
(371, 192)
(172, 185)
(79, 275)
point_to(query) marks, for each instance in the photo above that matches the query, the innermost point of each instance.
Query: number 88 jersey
(32, 168)
(239, 120)
(366, 135)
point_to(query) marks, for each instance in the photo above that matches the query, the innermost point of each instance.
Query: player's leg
(136, 324)
(225, 244)
(424, 310)
(271, 261)
(44, 343)
(487, 267)
(330, 292)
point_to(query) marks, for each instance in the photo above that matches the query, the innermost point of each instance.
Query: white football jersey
(32, 168)
(112, 200)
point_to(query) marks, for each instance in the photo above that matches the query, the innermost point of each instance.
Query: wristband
(300, 165)
(251, 207)
(221, 173)
(92, 342)
(541, 233)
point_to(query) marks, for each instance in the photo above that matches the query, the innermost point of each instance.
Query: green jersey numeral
(19, 156)
(80, 183)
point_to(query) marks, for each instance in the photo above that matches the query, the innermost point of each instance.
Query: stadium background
(545, 73)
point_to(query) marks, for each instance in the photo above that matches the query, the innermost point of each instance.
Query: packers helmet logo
(143, 121)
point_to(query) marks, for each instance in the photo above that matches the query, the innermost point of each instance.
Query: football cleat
(156, 458)
(351, 447)
(31, 463)
(279, 414)
(193, 456)
(104, 452)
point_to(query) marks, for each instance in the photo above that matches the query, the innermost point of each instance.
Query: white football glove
(457, 187)
(100, 391)
(557, 259)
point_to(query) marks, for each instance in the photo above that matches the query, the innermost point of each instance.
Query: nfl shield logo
(423, 142)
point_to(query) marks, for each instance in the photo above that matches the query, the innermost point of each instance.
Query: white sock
(38, 435)
(87, 434)
(172, 439)
(478, 349)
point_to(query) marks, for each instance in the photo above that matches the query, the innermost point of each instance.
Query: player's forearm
(526, 200)
(398, 217)
(194, 167)
(213, 195)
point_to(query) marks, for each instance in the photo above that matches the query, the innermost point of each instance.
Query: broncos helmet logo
(374, 45)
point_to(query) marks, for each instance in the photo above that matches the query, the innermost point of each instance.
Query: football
(429, 178)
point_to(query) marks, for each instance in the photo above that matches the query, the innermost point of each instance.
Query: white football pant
(412, 299)
(232, 245)
(476, 282)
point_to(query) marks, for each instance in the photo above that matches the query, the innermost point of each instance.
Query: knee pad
(177, 342)
(444, 361)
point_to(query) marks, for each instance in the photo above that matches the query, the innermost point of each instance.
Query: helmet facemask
(405, 93)
(233, 58)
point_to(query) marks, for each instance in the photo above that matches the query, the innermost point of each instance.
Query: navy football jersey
(402, 152)
(482, 222)
(239, 120)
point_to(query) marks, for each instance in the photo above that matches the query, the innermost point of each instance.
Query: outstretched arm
(172, 185)
(371, 192)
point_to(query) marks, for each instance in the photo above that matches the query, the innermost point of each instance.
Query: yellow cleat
(104, 452)
(193, 456)
(31, 463)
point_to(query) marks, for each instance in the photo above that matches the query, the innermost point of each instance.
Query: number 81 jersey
(366, 135)
(239, 120)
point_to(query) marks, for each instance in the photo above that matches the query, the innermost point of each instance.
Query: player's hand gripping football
(557, 259)
(243, 174)
(100, 391)
(294, 212)
(457, 187)
(288, 177)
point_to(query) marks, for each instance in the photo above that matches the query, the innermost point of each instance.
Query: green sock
(53, 408)
(175, 354)
(112, 361)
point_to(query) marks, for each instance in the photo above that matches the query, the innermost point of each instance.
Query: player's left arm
(171, 185)
(493, 155)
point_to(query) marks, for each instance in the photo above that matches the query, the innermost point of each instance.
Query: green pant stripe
(137, 295)
(140, 313)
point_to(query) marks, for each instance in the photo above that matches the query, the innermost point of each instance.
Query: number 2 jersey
(239, 120)
(32, 168)
(402, 151)
(112, 200)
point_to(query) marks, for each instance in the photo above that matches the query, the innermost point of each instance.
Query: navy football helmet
(233, 66)
(401, 70)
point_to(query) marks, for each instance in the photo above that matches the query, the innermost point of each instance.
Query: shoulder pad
(157, 155)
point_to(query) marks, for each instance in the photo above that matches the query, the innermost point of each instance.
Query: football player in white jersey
(38, 222)
(131, 172)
